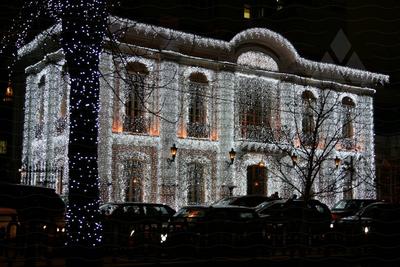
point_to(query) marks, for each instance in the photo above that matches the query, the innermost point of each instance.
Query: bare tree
(321, 147)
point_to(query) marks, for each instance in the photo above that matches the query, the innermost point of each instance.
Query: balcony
(255, 133)
(137, 125)
(348, 143)
(60, 125)
(39, 129)
(198, 130)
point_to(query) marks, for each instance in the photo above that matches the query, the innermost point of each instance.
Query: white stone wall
(166, 181)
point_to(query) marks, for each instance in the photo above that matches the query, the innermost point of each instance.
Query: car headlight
(366, 230)
(163, 238)
(332, 225)
(132, 233)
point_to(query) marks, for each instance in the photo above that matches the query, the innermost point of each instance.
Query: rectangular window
(3, 147)
(246, 12)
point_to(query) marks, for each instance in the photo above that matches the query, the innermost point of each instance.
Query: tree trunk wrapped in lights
(84, 24)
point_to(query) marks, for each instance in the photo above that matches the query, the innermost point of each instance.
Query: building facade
(162, 89)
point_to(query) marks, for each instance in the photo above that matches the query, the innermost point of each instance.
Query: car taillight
(335, 216)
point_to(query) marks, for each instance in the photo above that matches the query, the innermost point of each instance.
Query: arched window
(135, 120)
(347, 117)
(134, 174)
(195, 172)
(308, 112)
(197, 118)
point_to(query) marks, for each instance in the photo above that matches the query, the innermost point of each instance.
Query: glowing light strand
(83, 28)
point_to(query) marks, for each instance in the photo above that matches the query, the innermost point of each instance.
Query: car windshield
(264, 205)
(224, 201)
(340, 205)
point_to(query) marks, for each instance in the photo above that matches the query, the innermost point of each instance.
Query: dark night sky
(373, 32)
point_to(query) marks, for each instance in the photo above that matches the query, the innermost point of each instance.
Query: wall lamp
(294, 159)
(174, 150)
(261, 164)
(337, 161)
(232, 155)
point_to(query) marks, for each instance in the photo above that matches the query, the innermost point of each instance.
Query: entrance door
(256, 180)
(134, 192)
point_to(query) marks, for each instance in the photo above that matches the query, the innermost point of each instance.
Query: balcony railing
(138, 125)
(348, 143)
(256, 133)
(39, 129)
(198, 130)
(43, 176)
(60, 125)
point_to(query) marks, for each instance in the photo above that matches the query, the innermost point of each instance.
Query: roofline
(169, 39)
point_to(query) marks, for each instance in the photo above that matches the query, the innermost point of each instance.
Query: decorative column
(170, 99)
(226, 129)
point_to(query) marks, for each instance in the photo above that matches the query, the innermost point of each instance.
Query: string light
(84, 24)
(82, 57)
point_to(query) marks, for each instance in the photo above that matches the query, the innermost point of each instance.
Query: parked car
(214, 229)
(348, 207)
(39, 218)
(132, 224)
(377, 223)
(294, 220)
(245, 201)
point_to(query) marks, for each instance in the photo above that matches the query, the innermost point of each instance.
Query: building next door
(256, 180)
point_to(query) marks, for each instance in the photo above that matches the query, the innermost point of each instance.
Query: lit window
(197, 125)
(3, 147)
(308, 123)
(347, 117)
(255, 111)
(246, 12)
(135, 120)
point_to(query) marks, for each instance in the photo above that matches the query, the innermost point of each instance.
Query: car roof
(384, 204)
(217, 207)
(23, 197)
(133, 203)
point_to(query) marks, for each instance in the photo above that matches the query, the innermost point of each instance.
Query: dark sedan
(348, 207)
(214, 229)
(377, 223)
(294, 221)
(130, 224)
